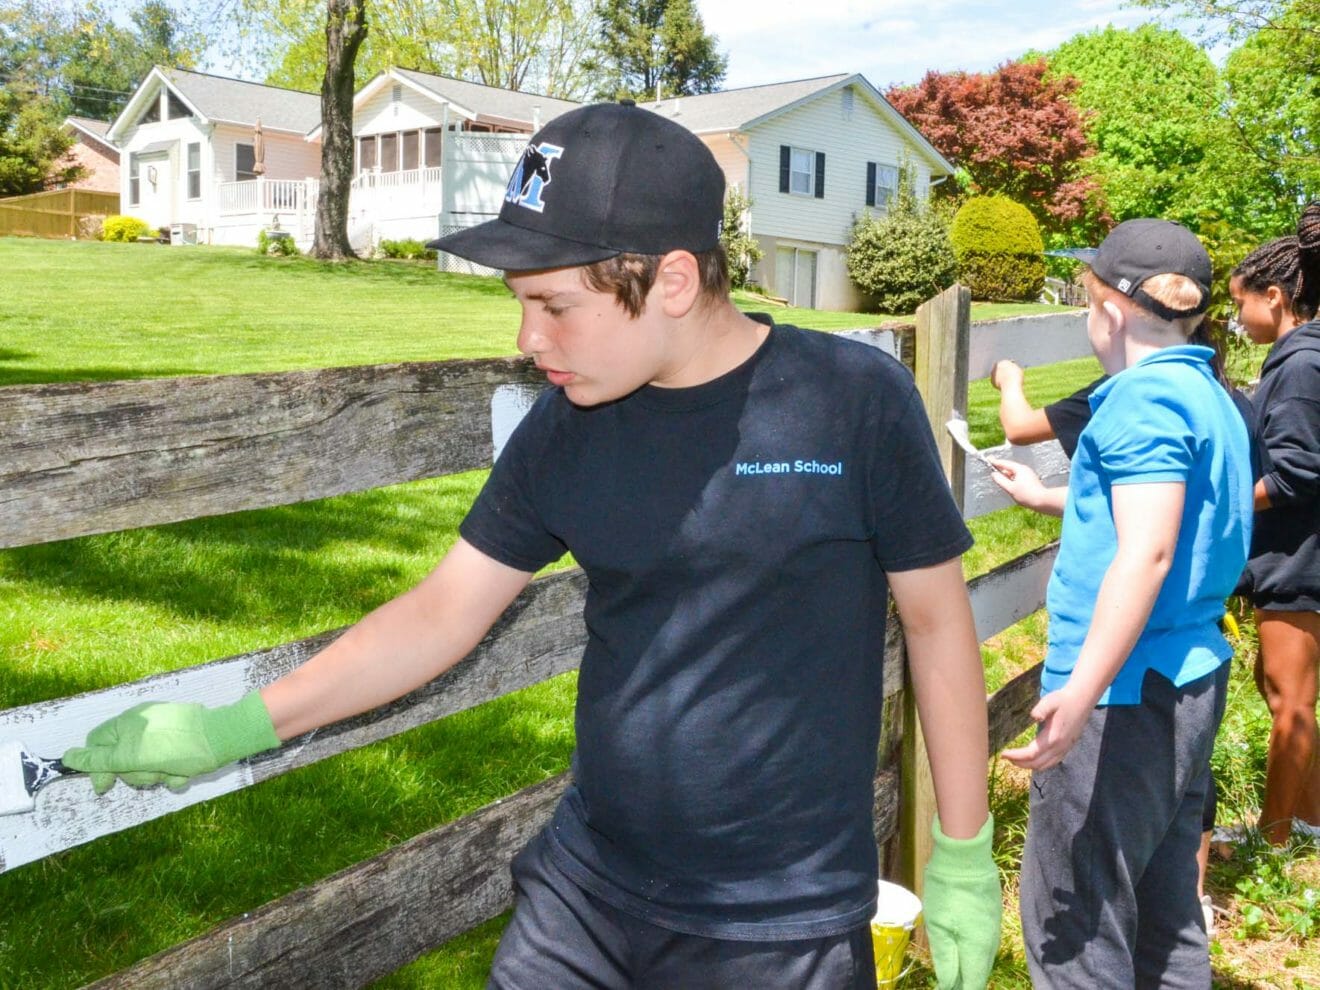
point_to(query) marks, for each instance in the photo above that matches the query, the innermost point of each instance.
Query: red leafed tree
(1012, 131)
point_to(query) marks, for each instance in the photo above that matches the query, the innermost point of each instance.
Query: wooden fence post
(942, 346)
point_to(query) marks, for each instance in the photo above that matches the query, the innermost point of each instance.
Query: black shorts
(560, 936)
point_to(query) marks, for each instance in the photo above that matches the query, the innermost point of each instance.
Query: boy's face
(584, 340)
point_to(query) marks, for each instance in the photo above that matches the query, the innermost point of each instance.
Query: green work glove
(170, 743)
(962, 907)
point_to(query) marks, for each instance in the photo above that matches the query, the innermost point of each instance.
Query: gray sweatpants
(1108, 895)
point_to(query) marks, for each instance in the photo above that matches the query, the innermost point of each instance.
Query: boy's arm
(1147, 518)
(1023, 424)
(399, 646)
(944, 661)
(962, 903)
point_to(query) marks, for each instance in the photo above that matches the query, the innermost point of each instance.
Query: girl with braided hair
(1277, 293)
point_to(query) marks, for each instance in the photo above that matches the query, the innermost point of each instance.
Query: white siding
(287, 156)
(170, 203)
(381, 115)
(848, 145)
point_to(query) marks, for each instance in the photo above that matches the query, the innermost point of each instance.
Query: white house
(192, 161)
(434, 152)
(811, 155)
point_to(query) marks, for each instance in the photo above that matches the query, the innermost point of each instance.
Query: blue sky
(893, 41)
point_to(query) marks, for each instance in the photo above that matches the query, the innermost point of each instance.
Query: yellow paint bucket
(897, 912)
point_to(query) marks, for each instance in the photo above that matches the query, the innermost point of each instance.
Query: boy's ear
(679, 280)
(1115, 316)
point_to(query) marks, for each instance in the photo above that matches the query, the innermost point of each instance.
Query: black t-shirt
(735, 537)
(1069, 416)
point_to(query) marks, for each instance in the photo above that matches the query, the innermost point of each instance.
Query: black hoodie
(1284, 566)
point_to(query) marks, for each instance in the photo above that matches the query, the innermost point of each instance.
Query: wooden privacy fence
(84, 458)
(55, 213)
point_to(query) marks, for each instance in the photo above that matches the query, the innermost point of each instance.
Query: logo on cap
(532, 176)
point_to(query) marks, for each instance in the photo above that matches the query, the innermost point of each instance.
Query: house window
(389, 152)
(435, 147)
(245, 163)
(134, 186)
(881, 184)
(174, 107)
(152, 113)
(194, 171)
(410, 149)
(366, 153)
(801, 171)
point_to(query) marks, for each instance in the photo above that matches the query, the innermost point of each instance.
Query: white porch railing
(262, 195)
(395, 180)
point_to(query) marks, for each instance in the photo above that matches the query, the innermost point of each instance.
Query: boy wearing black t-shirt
(742, 498)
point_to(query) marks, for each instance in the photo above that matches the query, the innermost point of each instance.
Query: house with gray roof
(192, 146)
(812, 155)
(432, 153)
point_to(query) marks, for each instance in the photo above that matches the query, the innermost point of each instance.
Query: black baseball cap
(1137, 250)
(596, 182)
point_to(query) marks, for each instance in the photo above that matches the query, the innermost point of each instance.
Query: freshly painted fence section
(1031, 341)
(540, 635)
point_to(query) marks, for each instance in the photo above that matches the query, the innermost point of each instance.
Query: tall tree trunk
(345, 30)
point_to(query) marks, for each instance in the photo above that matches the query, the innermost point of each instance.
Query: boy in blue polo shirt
(1157, 520)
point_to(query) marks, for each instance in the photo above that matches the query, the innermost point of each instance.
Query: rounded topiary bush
(122, 228)
(999, 249)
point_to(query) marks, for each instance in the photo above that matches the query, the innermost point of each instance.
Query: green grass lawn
(94, 612)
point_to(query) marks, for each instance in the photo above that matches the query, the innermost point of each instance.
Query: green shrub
(277, 243)
(902, 257)
(740, 247)
(408, 248)
(997, 242)
(122, 228)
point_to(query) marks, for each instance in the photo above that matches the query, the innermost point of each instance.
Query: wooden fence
(84, 458)
(55, 213)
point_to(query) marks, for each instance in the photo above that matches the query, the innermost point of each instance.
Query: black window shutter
(870, 183)
(820, 175)
(785, 156)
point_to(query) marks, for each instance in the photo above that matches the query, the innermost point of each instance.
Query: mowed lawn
(94, 612)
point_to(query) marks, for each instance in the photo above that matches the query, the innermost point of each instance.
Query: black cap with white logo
(1137, 250)
(596, 182)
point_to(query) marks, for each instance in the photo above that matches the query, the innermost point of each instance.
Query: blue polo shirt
(1164, 419)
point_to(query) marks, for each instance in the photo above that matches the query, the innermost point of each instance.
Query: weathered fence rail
(78, 459)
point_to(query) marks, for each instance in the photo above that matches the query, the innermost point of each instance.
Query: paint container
(897, 912)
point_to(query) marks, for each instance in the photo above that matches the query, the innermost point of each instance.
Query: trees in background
(539, 46)
(652, 49)
(60, 59)
(1157, 111)
(1013, 131)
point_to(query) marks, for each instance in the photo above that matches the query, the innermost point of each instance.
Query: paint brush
(957, 428)
(22, 775)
